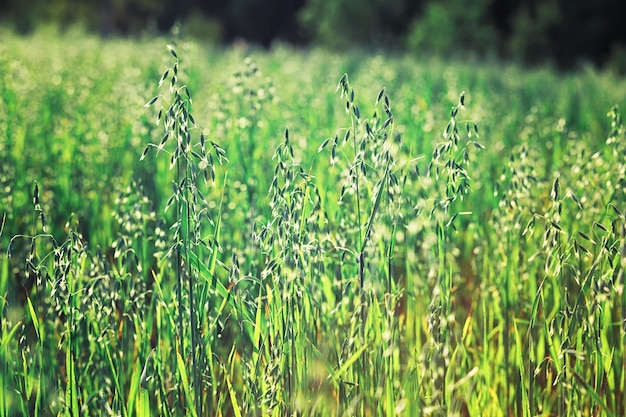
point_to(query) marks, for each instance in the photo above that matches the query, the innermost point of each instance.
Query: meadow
(194, 230)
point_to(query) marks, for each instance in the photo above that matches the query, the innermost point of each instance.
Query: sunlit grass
(300, 233)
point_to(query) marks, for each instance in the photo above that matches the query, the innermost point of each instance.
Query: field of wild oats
(188, 230)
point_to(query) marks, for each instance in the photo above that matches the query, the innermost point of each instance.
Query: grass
(310, 234)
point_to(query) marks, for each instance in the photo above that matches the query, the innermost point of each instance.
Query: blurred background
(563, 33)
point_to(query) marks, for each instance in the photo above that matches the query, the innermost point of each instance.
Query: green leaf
(348, 363)
(185, 381)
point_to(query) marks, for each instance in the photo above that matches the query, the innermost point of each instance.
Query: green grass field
(188, 230)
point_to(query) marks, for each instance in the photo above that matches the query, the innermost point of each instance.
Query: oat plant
(193, 162)
(370, 159)
(56, 270)
(448, 171)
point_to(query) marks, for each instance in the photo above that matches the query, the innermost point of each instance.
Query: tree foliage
(560, 31)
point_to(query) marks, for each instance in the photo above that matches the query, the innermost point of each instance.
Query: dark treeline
(564, 32)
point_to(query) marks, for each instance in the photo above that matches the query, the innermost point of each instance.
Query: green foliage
(529, 40)
(294, 241)
(562, 32)
(565, 32)
(448, 27)
(335, 23)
